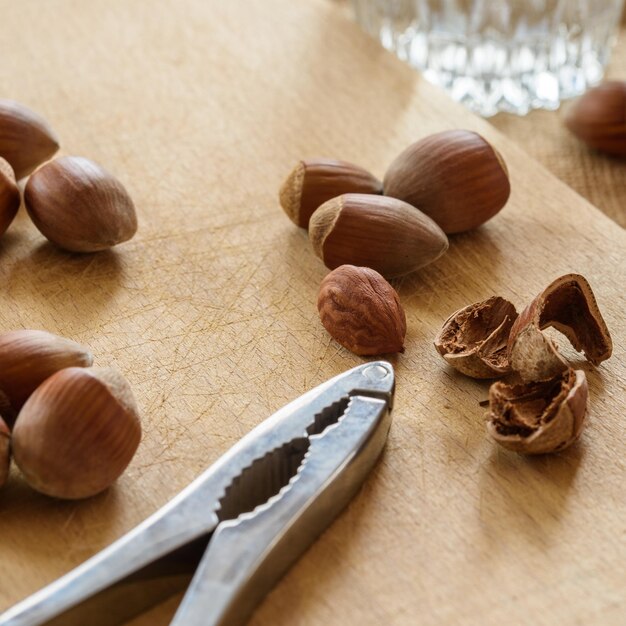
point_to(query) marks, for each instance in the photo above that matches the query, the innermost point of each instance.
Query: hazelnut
(26, 139)
(383, 233)
(79, 206)
(361, 311)
(314, 181)
(5, 452)
(598, 118)
(568, 305)
(474, 339)
(77, 432)
(27, 358)
(9, 196)
(539, 417)
(456, 177)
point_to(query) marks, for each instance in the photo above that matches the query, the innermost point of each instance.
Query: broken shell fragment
(474, 339)
(534, 356)
(540, 417)
(569, 306)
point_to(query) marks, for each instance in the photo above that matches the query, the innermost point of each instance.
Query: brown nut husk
(9, 195)
(474, 339)
(27, 358)
(79, 206)
(26, 139)
(540, 417)
(568, 305)
(315, 181)
(5, 452)
(77, 432)
(383, 233)
(598, 118)
(362, 311)
(456, 177)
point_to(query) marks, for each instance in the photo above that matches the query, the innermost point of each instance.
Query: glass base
(489, 78)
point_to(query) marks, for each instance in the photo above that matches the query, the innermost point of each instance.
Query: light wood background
(201, 107)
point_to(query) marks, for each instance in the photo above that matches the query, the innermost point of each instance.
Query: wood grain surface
(201, 107)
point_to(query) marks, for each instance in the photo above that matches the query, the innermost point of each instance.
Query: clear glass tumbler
(499, 55)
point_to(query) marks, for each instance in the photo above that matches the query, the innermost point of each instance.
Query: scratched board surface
(201, 107)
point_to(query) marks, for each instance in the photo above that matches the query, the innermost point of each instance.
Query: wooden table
(201, 107)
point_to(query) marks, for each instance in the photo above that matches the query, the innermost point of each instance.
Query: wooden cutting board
(201, 107)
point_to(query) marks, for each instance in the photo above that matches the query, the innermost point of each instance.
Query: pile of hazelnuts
(70, 428)
(75, 203)
(367, 231)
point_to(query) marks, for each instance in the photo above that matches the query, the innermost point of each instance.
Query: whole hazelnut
(77, 432)
(383, 233)
(598, 118)
(26, 139)
(9, 196)
(568, 305)
(456, 177)
(361, 311)
(314, 181)
(27, 358)
(79, 206)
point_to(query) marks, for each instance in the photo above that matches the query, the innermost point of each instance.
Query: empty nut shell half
(474, 339)
(5, 452)
(456, 177)
(598, 118)
(79, 206)
(26, 139)
(361, 311)
(383, 233)
(314, 181)
(540, 417)
(77, 433)
(27, 358)
(9, 196)
(568, 305)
